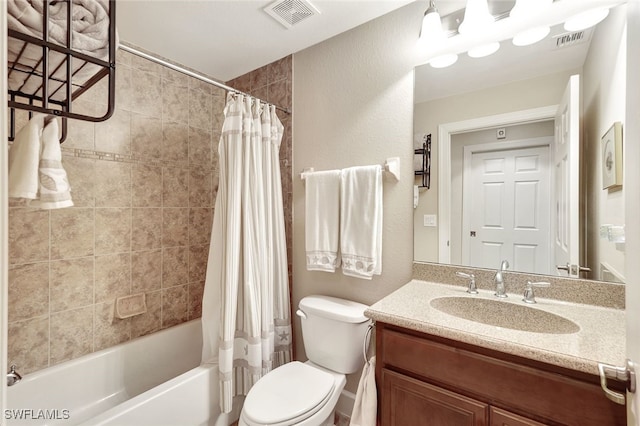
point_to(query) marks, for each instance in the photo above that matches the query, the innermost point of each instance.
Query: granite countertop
(601, 337)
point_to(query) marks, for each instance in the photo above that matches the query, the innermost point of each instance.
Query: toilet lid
(291, 391)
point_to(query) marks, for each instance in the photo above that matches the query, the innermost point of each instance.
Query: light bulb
(443, 61)
(476, 17)
(586, 19)
(484, 50)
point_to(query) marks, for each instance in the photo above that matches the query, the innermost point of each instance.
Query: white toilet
(296, 393)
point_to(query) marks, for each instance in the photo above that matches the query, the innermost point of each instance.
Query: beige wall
(534, 93)
(144, 185)
(604, 89)
(353, 101)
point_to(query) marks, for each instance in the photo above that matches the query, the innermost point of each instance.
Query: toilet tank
(333, 331)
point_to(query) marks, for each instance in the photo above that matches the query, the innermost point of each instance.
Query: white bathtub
(152, 380)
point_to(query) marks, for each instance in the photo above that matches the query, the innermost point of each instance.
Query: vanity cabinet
(425, 380)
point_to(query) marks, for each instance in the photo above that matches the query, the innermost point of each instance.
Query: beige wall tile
(200, 188)
(113, 184)
(175, 77)
(146, 183)
(146, 228)
(109, 331)
(198, 258)
(146, 136)
(113, 277)
(145, 65)
(217, 116)
(147, 90)
(114, 135)
(72, 233)
(150, 321)
(196, 290)
(28, 235)
(28, 291)
(174, 306)
(200, 109)
(175, 266)
(280, 69)
(124, 88)
(146, 271)
(81, 134)
(175, 227)
(175, 142)
(72, 283)
(175, 103)
(200, 86)
(199, 146)
(28, 344)
(200, 223)
(113, 230)
(71, 334)
(82, 178)
(175, 187)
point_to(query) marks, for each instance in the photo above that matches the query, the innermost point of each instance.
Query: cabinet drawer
(552, 397)
(504, 418)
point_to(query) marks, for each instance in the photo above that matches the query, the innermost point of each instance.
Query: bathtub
(151, 380)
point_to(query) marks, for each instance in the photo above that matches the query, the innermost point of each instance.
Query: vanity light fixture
(444, 61)
(586, 19)
(432, 33)
(521, 10)
(476, 20)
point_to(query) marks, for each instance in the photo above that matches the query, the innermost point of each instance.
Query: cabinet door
(504, 418)
(406, 401)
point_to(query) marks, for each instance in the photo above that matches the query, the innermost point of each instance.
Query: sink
(505, 315)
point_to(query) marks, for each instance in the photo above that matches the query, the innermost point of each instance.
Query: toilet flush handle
(301, 314)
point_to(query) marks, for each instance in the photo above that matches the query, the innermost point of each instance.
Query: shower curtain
(245, 309)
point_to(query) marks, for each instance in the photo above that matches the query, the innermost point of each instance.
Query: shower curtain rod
(189, 73)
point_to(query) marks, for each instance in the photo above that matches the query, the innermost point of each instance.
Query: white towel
(24, 159)
(366, 404)
(361, 221)
(322, 220)
(53, 185)
(35, 166)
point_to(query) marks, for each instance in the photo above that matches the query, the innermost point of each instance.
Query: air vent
(291, 12)
(571, 39)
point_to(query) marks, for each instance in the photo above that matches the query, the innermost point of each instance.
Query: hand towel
(361, 221)
(24, 159)
(53, 186)
(366, 404)
(322, 220)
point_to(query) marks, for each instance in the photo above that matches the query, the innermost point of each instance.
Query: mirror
(500, 110)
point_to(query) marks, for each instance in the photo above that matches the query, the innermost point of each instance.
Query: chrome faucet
(529, 295)
(472, 289)
(13, 377)
(499, 280)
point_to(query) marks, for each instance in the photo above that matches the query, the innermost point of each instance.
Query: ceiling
(228, 38)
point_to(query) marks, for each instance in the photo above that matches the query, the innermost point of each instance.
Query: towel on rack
(35, 166)
(24, 159)
(322, 220)
(366, 403)
(90, 28)
(361, 221)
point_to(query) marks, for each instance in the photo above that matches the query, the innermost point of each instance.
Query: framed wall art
(611, 149)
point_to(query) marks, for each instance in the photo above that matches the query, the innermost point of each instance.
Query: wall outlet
(430, 220)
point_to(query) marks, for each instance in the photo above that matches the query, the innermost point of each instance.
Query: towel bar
(391, 169)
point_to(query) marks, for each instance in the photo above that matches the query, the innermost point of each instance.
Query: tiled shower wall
(144, 185)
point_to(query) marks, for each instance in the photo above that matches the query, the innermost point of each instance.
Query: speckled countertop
(601, 337)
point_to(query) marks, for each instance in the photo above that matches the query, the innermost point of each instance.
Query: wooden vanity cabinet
(425, 380)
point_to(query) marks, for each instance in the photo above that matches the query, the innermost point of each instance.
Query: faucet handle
(529, 295)
(472, 282)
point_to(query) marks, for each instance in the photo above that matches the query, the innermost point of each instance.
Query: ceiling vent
(571, 39)
(291, 12)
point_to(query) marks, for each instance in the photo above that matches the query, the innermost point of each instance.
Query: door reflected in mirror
(517, 163)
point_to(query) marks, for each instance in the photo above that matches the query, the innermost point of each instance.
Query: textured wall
(353, 100)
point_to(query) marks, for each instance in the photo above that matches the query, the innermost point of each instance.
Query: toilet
(333, 332)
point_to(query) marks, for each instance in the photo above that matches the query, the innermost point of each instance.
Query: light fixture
(431, 31)
(443, 61)
(586, 19)
(524, 9)
(476, 17)
(484, 50)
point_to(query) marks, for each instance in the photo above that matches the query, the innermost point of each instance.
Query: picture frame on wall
(611, 149)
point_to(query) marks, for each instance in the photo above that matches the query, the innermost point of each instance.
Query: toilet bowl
(306, 394)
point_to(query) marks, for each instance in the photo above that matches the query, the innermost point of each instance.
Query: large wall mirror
(503, 185)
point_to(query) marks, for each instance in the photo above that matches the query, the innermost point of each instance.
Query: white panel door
(566, 221)
(507, 209)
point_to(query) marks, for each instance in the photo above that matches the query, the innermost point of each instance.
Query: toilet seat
(288, 395)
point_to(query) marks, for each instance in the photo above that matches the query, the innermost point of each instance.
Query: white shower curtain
(245, 309)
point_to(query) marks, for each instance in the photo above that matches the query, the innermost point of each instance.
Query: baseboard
(344, 407)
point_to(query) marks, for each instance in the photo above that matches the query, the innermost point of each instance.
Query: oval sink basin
(505, 315)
